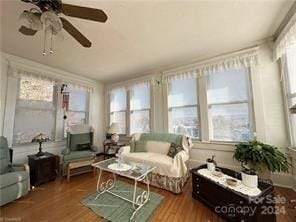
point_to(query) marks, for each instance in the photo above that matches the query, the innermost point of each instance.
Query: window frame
(87, 112)
(54, 102)
(203, 109)
(197, 106)
(287, 96)
(128, 110)
(58, 113)
(249, 102)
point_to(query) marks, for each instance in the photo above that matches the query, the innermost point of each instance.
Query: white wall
(96, 115)
(268, 111)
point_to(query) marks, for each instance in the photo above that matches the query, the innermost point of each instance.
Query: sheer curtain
(118, 107)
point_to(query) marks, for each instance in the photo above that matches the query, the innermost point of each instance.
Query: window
(35, 109)
(291, 89)
(118, 107)
(229, 106)
(78, 108)
(140, 109)
(183, 107)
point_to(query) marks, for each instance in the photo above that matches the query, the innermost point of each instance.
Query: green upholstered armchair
(79, 146)
(14, 179)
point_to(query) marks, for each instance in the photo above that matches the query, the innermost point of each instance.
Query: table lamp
(40, 138)
(114, 130)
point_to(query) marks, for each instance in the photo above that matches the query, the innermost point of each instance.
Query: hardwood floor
(59, 201)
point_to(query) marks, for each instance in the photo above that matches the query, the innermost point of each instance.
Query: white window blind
(140, 109)
(229, 106)
(291, 89)
(35, 109)
(183, 107)
(78, 107)
(118, 107)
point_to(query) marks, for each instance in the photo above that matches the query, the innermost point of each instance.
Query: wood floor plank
(60, 201)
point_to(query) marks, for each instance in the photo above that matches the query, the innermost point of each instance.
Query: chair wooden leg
(68, 174)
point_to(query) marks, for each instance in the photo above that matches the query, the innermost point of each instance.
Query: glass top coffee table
(135, 171)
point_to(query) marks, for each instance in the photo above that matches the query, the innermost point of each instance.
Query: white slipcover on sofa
(170, 173)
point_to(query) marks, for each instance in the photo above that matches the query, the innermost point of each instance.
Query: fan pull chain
(44, 43)
(51, 48)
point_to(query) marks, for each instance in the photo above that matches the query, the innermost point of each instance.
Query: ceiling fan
(47, 16)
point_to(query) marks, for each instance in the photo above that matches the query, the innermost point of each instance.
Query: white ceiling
(140, 36)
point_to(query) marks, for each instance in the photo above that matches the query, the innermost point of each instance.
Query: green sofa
(14, 179)
(75, 137)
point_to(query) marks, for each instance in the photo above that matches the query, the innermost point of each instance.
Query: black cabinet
(43, 168)
(232, 205)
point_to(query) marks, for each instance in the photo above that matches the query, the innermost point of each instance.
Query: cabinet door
(46, 170)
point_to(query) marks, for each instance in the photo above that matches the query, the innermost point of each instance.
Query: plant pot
(263, 172)
(211, 166)
(249, 180)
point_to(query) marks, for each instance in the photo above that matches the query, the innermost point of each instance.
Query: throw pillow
(140, 146)
(84, 146)
(158, 147)
(174, 149)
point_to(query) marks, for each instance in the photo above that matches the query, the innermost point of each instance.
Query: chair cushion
(12, 178)
(83, 147)
(79, 155)
(76, 139)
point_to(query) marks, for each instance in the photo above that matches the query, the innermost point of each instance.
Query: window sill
(211, 145)
(45, 144)
(292, 152)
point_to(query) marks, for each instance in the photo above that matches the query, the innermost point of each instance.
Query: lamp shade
(40, 138)
(114, 128)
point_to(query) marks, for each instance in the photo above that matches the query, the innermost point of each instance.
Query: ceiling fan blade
(27, 31)
(76, 34)
(84, 12)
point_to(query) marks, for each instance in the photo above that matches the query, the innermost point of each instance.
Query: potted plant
(261, 157)
(211, 163)
(249, 177)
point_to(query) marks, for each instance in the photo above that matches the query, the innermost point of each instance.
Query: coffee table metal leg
(104, 186)
(141, 199)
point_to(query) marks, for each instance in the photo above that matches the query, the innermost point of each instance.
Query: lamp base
(40, 153)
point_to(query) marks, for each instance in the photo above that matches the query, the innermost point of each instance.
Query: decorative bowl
(217, 172)
(231, 182)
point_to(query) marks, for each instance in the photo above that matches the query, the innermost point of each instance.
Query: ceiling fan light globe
(30, 20)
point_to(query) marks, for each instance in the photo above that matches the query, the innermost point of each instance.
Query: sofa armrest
(21, 167)
(179, 162)
(181, 156)
(124, 149)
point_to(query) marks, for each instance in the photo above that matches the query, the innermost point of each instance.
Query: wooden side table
(43, 168)
(110, 148)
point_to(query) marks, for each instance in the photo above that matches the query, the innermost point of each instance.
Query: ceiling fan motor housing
(44, 5)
